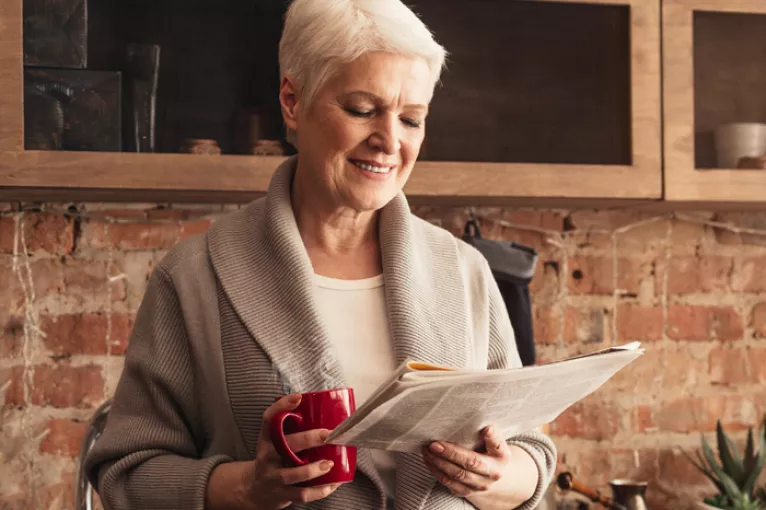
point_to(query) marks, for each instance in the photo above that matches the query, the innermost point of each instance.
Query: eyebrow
(378, 100)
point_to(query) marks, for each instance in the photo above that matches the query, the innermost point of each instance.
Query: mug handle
(277, 429)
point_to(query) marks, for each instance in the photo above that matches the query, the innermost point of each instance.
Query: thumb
(496, 447)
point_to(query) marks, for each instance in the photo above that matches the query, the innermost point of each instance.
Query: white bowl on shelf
(738, 140)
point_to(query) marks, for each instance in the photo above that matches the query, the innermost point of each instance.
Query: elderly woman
(328, 281)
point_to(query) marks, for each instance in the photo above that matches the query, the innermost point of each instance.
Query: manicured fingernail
(326, 465)
(489, 431)
(437, 448)
(294, 398)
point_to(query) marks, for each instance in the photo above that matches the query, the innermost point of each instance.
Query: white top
(354, 312)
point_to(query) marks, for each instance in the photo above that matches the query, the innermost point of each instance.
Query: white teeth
(375, 169)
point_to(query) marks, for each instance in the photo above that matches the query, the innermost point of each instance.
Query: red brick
(730, 366)
(686, 322)
(122, 327)
(649, 235)
(591, 275)
(630, 274)
(758, 320)
(699, 414)
(58, 494)
(750, 275)
(640, 377)
(590, 418)
(587, 239)
(546, 322)
(88, 281)
(757, 359)
(7, 234)
(750, 220)
(64, 437)
(690, 275)
(643, 419)
(552, 221)
(64, 386)
(132, 236)
(686, 237)
(51, 233)
(585, 325)
(75, 333)
(641, 323)
(193, 228)
(545, 286)
(79, 279)
(675, 468)
(680, 368)
(14, 392)
(11, 336)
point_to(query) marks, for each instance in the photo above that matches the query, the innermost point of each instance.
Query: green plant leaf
(749, 484)
(712, 476)
(730, 465)
(699, 465)
(730, 487)
(749, 461)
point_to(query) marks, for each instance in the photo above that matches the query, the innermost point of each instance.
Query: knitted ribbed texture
(255, 287)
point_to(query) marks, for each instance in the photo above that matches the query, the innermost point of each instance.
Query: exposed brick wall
(694, 293)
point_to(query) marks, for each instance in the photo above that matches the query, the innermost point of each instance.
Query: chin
(373, 202)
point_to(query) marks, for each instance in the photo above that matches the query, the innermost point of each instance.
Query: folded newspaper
(421, 403)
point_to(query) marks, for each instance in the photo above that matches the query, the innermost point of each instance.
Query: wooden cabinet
(714, 73)
(541, 100)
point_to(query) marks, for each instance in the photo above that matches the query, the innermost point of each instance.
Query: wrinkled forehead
(395, 79)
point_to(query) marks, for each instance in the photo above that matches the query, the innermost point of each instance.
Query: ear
(290, 102)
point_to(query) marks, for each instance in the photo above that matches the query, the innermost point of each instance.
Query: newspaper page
(417, 407)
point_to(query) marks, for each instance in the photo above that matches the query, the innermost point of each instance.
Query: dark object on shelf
(753, 163)
(201, 146)
(56, 33)
(75, 110)
(513, 266)
(141, 74)
(628, 494)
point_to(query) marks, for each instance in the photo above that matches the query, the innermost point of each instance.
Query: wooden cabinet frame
(69, 176)
(683, 182)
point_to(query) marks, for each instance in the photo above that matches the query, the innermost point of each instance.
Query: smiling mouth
(377, 169)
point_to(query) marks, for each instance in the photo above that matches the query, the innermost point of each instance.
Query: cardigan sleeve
(149, 455)
(504, 354)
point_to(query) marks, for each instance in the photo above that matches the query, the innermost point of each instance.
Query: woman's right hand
(265, 484)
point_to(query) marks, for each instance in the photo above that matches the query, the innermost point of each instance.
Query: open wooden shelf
(620, 159)
(700, 82)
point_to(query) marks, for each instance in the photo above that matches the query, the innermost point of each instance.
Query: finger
(309, 494)
(461, 475)
(292, 476)
(496, 447)
(467, 459)
(286, 403)
(309, 439)
(455, 487)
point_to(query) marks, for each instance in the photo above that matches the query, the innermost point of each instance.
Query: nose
(385, 136)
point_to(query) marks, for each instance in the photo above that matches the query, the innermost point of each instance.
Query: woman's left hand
(465, 472)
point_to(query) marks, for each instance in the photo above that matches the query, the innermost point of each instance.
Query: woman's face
(359, 140)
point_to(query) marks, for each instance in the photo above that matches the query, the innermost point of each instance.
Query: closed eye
(411, 123)
(360, 113)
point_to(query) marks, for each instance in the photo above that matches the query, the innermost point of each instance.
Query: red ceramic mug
(318, 410)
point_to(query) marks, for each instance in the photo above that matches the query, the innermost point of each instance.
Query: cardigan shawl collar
(265, 271)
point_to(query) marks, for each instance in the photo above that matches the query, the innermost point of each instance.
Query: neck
(341, 242)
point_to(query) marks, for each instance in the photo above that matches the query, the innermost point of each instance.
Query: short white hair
(319, 36)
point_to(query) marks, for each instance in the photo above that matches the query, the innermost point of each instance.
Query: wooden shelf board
(127, 176)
